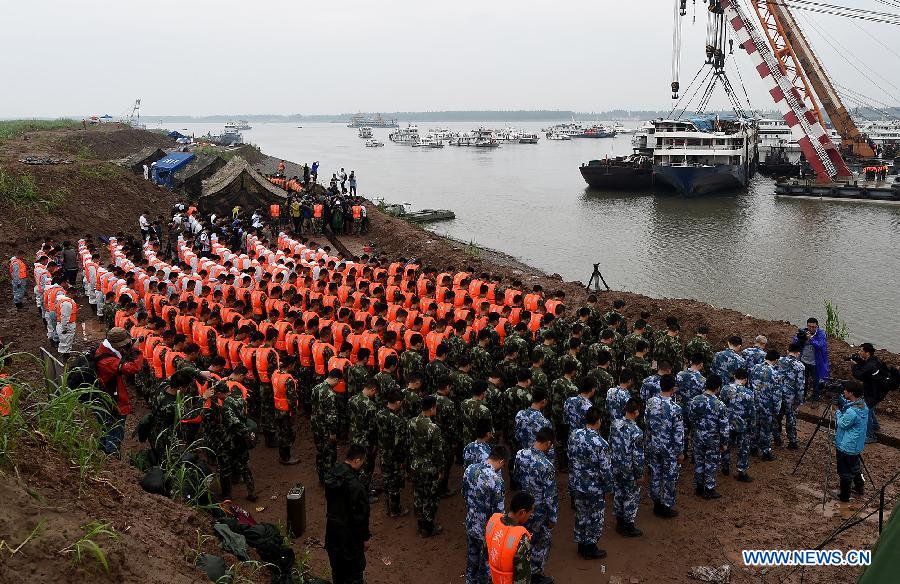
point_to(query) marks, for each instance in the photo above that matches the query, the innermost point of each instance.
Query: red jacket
(111, 372)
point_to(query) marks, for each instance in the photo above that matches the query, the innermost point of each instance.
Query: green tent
(885, 566)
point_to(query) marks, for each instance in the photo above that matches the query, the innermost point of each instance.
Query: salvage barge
(872, 191)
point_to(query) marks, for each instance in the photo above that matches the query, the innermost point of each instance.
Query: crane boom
(852, 139)
(788, 93)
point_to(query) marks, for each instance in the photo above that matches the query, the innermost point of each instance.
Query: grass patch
(104, 171)
(15, 128)
(86, 546)
(21, 191)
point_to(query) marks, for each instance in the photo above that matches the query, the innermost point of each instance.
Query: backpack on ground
(82, 370)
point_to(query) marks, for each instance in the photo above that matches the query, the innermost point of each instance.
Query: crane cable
(843, 53)
(880, 17)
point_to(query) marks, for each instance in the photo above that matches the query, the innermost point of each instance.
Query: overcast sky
(196, 57)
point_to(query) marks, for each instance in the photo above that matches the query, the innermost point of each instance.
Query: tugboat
(598, 131)
(701, 156)
(408, 135)
(627, 173)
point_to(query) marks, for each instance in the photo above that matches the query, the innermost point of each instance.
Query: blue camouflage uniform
(650, 387)
(590, 478)
(766, 382)
(741, 404)
(475, 452)
(626, 442)
(616, 398)
(665, 443)
(574, 410)
(711, 431)
(536, 475)
(793, 378)
(528, 423)
(725, 363)
(689, 384)
(483, 491)
(753, 356)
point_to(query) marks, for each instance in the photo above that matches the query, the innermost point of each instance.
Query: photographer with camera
(813, 355)
(850, 439)
(865, 366)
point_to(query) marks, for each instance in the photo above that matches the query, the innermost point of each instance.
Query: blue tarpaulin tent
(165, 167)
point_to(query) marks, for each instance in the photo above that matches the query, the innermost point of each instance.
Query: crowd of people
(228, 333)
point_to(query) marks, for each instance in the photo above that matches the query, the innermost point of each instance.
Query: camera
(834, 386)
(802, 335)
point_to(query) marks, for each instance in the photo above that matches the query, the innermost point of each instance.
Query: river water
(765, 256)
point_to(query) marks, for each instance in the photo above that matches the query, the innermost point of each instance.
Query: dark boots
(844, 494)
(270, 440)
(395, 509)
(726, 468)
(744, 477)
(429, 529)
(711, 494)
(251, 490)
(590, 551)
(620, 524)
(284, 456)
(664, 511)
(858, 484)
(629, 530)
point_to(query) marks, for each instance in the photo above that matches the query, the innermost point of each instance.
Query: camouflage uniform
(411, 405)
(753, 356)
(592, 356)
(616, 398)
(669, 349)
(536, 475)
(483, 491)
(227, 424)
(448, 421)
(386, 383)
(638, 366)
(528, 423)
(462, 386)
(475, 452)
(741, 404)
(517, 399)
(539, 379)
(508, 370)
(324, 424)
(363, 431)
(472, 410)
(570, 358)
(793, 374)
(357, 376)
(393, 449)
(513, 339)
(766, 382)
(700, 345)
(482, 362)
(725, 363)
(166, 422)
(551, 361)
(590, 478)
(574, 410)
(650, 387)
(426, 461)
(665, 443)
(561, 390)
(456, 348)
(690, 384)
(494, 398)
(411, 362)
(709, 419)
(434, 371)
(625, 440)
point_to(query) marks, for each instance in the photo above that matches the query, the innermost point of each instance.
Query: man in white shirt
(144, 224)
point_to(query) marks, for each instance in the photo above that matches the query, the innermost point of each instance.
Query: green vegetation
(21, 191)
(103, 171)
(15, 128)
(38, 529)
(834, 324)
(86, 546)
(473, 250)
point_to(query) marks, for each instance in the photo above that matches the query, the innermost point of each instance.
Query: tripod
(827, 419)
(596, 279)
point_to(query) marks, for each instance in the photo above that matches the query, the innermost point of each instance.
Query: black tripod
(827, 420)
(596, 279)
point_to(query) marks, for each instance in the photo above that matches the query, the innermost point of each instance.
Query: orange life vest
(357, 211)
(318, 356)
(317, 211)
(274, 211)
(383, 353)
(70, 302)
(169, 362)
(201, 337)
(279, 389)
(262, 362)
(502, 542)
(342, 364)
(17, 266)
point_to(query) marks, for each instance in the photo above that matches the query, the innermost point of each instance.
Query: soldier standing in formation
(426, 465)
(590, 479)
(626, 442)
(665, 447)
(483, 490)
(536, 475)
(709, 421)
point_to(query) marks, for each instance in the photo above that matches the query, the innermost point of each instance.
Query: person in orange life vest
(508, 543)
(266, 362)
(18, 274)
(67, 312)
(341, 361)
(387, 348)
(287, 401)
(114, 360)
